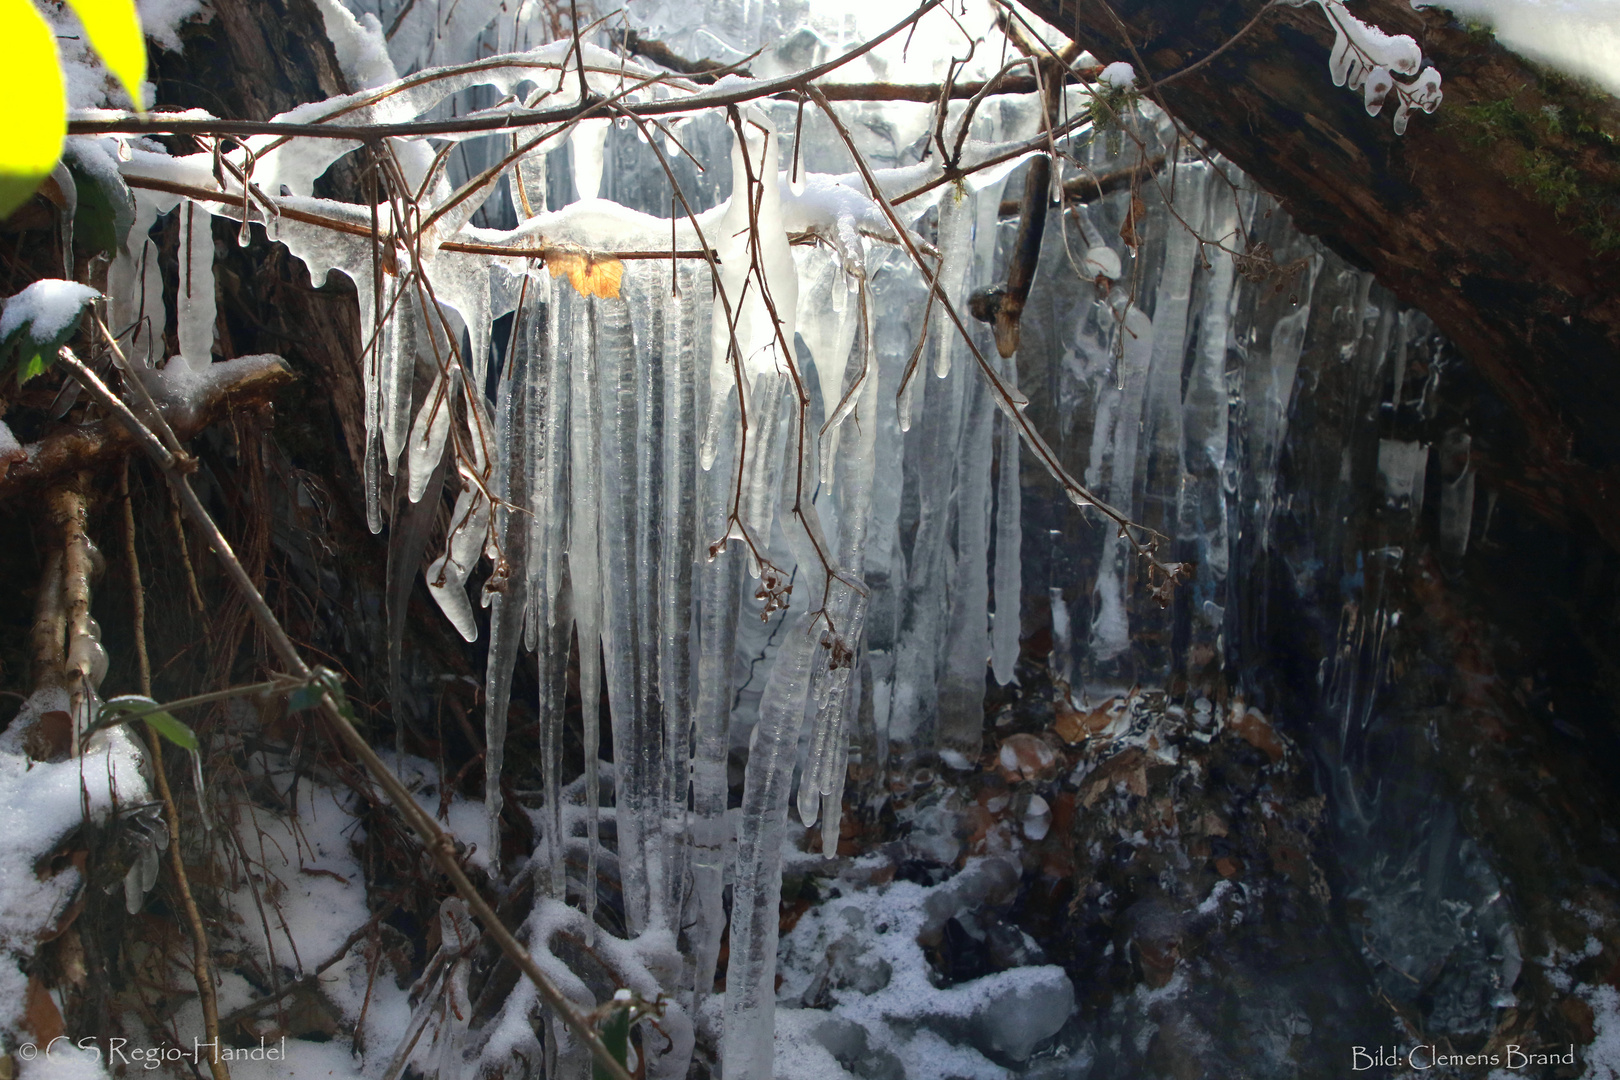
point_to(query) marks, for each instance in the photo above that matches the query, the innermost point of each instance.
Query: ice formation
(742, 427)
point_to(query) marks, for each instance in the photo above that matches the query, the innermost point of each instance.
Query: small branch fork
(175, 465)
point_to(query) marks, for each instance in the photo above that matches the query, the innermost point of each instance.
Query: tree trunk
(1498, 215)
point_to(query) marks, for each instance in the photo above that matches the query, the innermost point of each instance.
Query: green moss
(1555, 141)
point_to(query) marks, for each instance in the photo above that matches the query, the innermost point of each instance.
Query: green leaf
(167, 726)
(106, 209)
(323, 681)
(34, 365)
(615, 1033)
(128, 707)
(40, 320)
(305, 697)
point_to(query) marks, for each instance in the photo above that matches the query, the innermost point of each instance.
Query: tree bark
(1497, 215)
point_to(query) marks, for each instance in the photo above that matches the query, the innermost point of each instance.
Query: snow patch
(1581, 37)
(50, 305)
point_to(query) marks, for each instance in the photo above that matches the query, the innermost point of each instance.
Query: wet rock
(850, 1044)
(1019, 1010)
(851, 965)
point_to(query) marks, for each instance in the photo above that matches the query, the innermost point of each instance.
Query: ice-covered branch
(1365, 58)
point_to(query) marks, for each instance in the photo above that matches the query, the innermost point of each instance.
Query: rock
(986, 882)
(1018, 1010)
(853, 966)
(1026, 757)
(849, 1043)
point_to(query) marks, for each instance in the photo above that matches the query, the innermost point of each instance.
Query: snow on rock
(904, 1019)
(49, 305)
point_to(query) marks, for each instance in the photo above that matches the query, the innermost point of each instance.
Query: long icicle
(584, 557)
(507, 592)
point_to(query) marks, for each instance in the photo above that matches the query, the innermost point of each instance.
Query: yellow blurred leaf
(115, 31)
(36, 104)
(590, 274)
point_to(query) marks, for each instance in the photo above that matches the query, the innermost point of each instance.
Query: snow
(1580, 37)
(361, 48)
(181, 389)
(305, 1060)
(50, 305)
(41, 803)
(932, 1031)
(1118, 76)
(161, 19)
(1603, 1054)
(65, 1062)
(10, 448)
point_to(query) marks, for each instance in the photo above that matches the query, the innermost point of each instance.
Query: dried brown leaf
(590, 274)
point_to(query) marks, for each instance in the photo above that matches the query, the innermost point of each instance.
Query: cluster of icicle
(643, 458)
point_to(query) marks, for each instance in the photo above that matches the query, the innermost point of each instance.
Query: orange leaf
(589, 273)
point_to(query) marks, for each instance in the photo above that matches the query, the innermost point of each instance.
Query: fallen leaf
(1256, 730)
(41, 1017)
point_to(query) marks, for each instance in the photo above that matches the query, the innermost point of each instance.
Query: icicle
(135, 286)
(757, 336)
(751, 977)
(195, 294)
(1110, 625)
(428, 435)
(461, 287)
(826, 287)
(528, 180)
(719, 589)
(832, 795)
(914, 705)
(834, 691)
(546, 456)
(1159, 472)
(1009, 585)
(956, 259)
(584, 559)
(678, 480)
(657, 489)
(769, 427)
(1207, 405)
(408, 537)
(587, 144)
(1456, 493)
(967, 637)
(624, 654)
(447, 575)
(398, 372)
(507, 591)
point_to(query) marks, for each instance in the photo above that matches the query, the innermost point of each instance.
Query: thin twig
(171, 813)
(153, 123)
(438, 843)
(314, 976)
